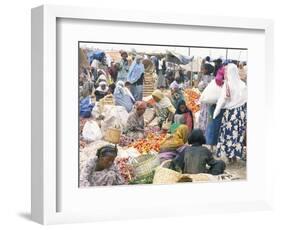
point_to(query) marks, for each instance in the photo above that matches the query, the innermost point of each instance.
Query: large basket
(145, 164)
(113, 135)
(164, 175)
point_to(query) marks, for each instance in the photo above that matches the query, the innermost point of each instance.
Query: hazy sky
(197, 52)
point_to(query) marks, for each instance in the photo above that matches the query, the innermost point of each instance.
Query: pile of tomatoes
(151, 142)
(192, 100)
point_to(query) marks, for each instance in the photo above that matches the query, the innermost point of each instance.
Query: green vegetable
(148, 179)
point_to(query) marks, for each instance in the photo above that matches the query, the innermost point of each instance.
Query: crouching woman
(101, 170)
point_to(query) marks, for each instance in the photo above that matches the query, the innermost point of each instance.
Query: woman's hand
(170, 116)
(146, 123)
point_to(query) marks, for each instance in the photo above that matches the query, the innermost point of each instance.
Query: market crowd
(197, 136)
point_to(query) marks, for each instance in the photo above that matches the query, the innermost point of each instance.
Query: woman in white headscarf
(123, 96)
(102, 90)
(233, 99)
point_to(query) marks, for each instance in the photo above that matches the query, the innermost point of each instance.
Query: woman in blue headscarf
(123, 96)
(136, 77)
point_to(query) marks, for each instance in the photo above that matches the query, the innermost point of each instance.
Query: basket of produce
(164, 175)
(112, 135)
(145, 164)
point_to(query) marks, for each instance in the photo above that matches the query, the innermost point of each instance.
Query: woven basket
(163, 175)
(113, 135)
(145, 164)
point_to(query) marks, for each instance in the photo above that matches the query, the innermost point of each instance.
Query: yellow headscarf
(164, 102)
(157, 93)
(176, 140)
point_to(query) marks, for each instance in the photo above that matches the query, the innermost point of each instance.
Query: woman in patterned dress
(101, 170)
(164, 109)
(233, 127)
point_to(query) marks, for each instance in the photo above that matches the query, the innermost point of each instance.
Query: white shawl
(234, 91)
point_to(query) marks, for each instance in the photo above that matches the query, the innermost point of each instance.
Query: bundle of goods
(125, 140)
(127, 152)
(192, 99)
(82, 122)
(82, 144)
(151, 142)
(126, 169)
(113, 116)
(107, 100)
(86, 107)
(152, 129)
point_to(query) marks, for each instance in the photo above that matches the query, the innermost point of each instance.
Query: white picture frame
(45, 166)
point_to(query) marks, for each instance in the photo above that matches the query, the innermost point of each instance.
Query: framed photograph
(147, 114)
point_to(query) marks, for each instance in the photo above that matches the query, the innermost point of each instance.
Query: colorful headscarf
(174, 85)
(164, 101)
(176, 140)
(157, 93)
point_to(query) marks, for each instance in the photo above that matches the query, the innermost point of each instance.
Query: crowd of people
(197, 144)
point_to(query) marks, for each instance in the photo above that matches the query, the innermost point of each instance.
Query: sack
(86, 107)
(211, 93)
(115, 116)
(91, 131)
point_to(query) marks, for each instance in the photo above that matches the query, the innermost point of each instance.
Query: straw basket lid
(163, 175)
